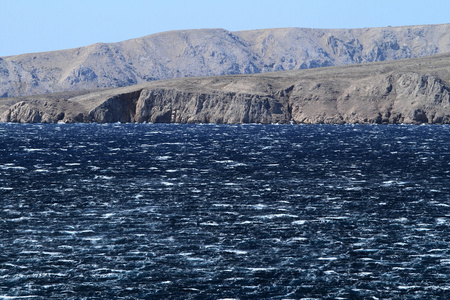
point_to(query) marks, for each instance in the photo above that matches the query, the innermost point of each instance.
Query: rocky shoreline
(412, 91)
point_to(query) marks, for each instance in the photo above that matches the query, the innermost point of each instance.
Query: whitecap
(437, 250)
(52, 253)
(70, 261)
(298, 239)
(437, 287)
(238, 252)
(219, 204)
(357, 188)
(166, 157)
(259, 206)
(93, 239)
(260, 269)
(12, 167)
(246, 222)
(408, 287)
(195, 259)
(29, 252)
(103, 177)
(273, 216)
(422, 229)
(20, 219)
(224, 161)
(401, 220)
(441, 221)
(209, 223)
(402, 268)
(336, 218)
(17, 297)
(298, 222)
(388, 182)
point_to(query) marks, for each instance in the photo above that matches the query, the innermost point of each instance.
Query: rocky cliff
(408, 91)
(210, 52)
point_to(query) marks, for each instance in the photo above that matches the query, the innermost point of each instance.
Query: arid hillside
(211, 52)
(412, 91)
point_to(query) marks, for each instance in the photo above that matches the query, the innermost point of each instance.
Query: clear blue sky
(43, 25)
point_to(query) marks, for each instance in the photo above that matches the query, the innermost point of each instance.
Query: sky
(28, 26)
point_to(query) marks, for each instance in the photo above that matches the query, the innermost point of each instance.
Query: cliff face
(43, 111)
(158, 106)
(212, 52)
(171, 106)
(409, 91)
(384, 99)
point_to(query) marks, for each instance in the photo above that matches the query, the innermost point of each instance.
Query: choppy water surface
(212, 212)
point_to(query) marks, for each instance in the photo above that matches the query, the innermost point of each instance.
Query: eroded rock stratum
(412, 91)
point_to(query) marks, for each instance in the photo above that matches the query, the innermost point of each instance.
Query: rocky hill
(209, 52)
(404, 91)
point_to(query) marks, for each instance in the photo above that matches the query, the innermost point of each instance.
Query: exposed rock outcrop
(409, 91)
(410, 98)
(43, 111)
(118, 108)
(210, 52)
(171, 106)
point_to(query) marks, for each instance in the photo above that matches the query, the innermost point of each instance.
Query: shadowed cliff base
(412, 91)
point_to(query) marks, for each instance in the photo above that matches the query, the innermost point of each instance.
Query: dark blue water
(224, 212)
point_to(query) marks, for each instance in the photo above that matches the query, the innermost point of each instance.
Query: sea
(170, 211)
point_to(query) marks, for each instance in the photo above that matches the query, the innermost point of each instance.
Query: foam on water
(142, 211)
